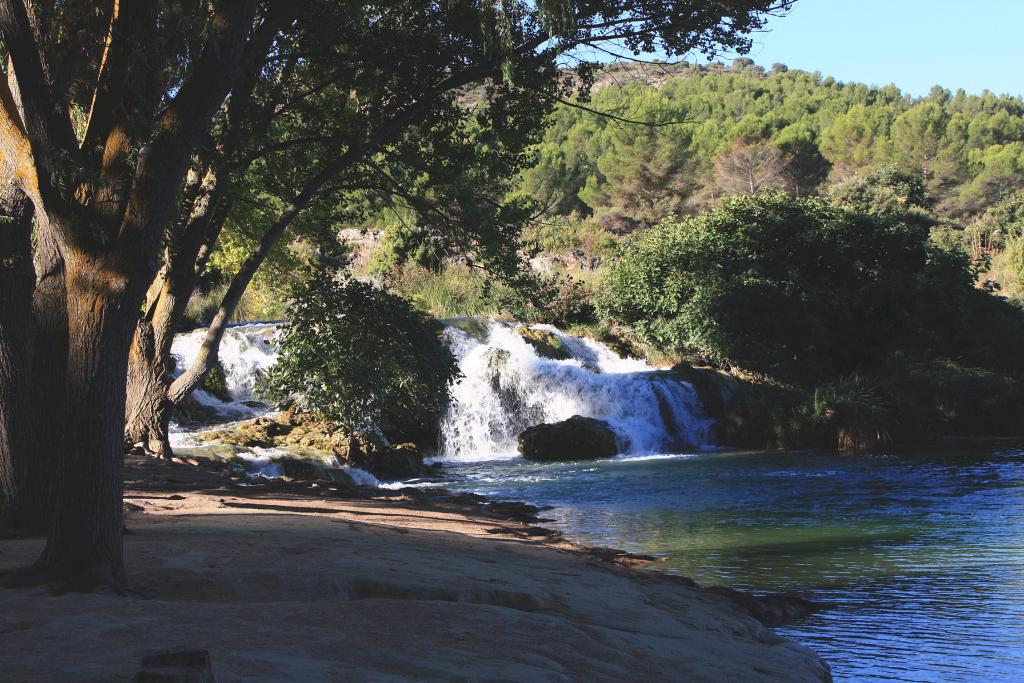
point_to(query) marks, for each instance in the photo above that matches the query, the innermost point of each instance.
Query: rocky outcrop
(546, 344)
(303, 433)
(755, 414)
(578, 438)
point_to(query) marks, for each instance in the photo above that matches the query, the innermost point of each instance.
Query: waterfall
(507, 386)
(245, 351)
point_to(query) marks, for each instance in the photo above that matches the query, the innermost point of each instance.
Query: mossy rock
(546, 344)
(368, 452)
(215, 383)
(297, 468)
(755, 415)
(714, 388)
(476, 327)
(497, 361)
(312, 440)
(620, 344)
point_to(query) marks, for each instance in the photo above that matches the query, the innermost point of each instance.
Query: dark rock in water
(546, 344)
(295, 468)
(578, 438)
(773, 609)
(387, 462)
(192, 666)
(191, 411)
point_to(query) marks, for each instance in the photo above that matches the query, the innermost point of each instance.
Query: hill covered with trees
(713, 131)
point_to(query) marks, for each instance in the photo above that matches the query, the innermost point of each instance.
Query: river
(921, 556)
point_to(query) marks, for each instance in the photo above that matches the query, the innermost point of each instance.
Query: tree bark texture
(149, 409)
(85, 543)
(38, 474)
(17, 281)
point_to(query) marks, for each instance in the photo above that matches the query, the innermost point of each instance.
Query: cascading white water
(506, 387)
(244, 353)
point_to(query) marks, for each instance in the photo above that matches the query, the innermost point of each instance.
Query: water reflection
(922, 554)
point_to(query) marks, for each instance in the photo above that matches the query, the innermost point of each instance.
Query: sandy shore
(301, 583)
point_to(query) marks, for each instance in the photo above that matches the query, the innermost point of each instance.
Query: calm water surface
(921, 555)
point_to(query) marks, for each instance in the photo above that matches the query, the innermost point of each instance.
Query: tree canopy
(801, 289)
(705, 118)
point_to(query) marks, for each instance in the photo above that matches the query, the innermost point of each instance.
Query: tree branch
(48, 130)
(15, 152)
(163, 163)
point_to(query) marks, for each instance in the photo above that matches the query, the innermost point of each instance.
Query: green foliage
(882, 191)
(260, 302)
(446, 293)
(968, 149)
(803, 291)
(360, 357)
(857, 411)
(456, 291)
(558, 300)
(570, 234)
(997, 240)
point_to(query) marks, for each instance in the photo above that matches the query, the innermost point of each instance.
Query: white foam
(506, 387)
(245, 352)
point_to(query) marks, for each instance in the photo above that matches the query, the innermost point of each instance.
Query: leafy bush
(571, 234)
(882, 191)
(858, 412)
(559, 300)
(803, 291)
(361, 357)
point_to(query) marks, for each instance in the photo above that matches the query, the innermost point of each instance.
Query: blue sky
(969, 44)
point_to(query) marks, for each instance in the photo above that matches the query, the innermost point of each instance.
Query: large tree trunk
(38, 474)
(84, 547)
(147, 418)
(148, 413)
(17, 280)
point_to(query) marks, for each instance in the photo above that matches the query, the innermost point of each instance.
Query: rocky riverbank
(318, 449)
(319, 580)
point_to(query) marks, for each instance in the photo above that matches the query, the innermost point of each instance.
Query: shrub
(571, 234)
(361, 357)
(883, 191)
(857, 411)
(803, 291)
(446, 293)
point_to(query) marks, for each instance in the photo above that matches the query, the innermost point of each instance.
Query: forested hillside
(740, 129)
(968, 148)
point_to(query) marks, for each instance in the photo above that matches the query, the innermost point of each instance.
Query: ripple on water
(922, 555)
